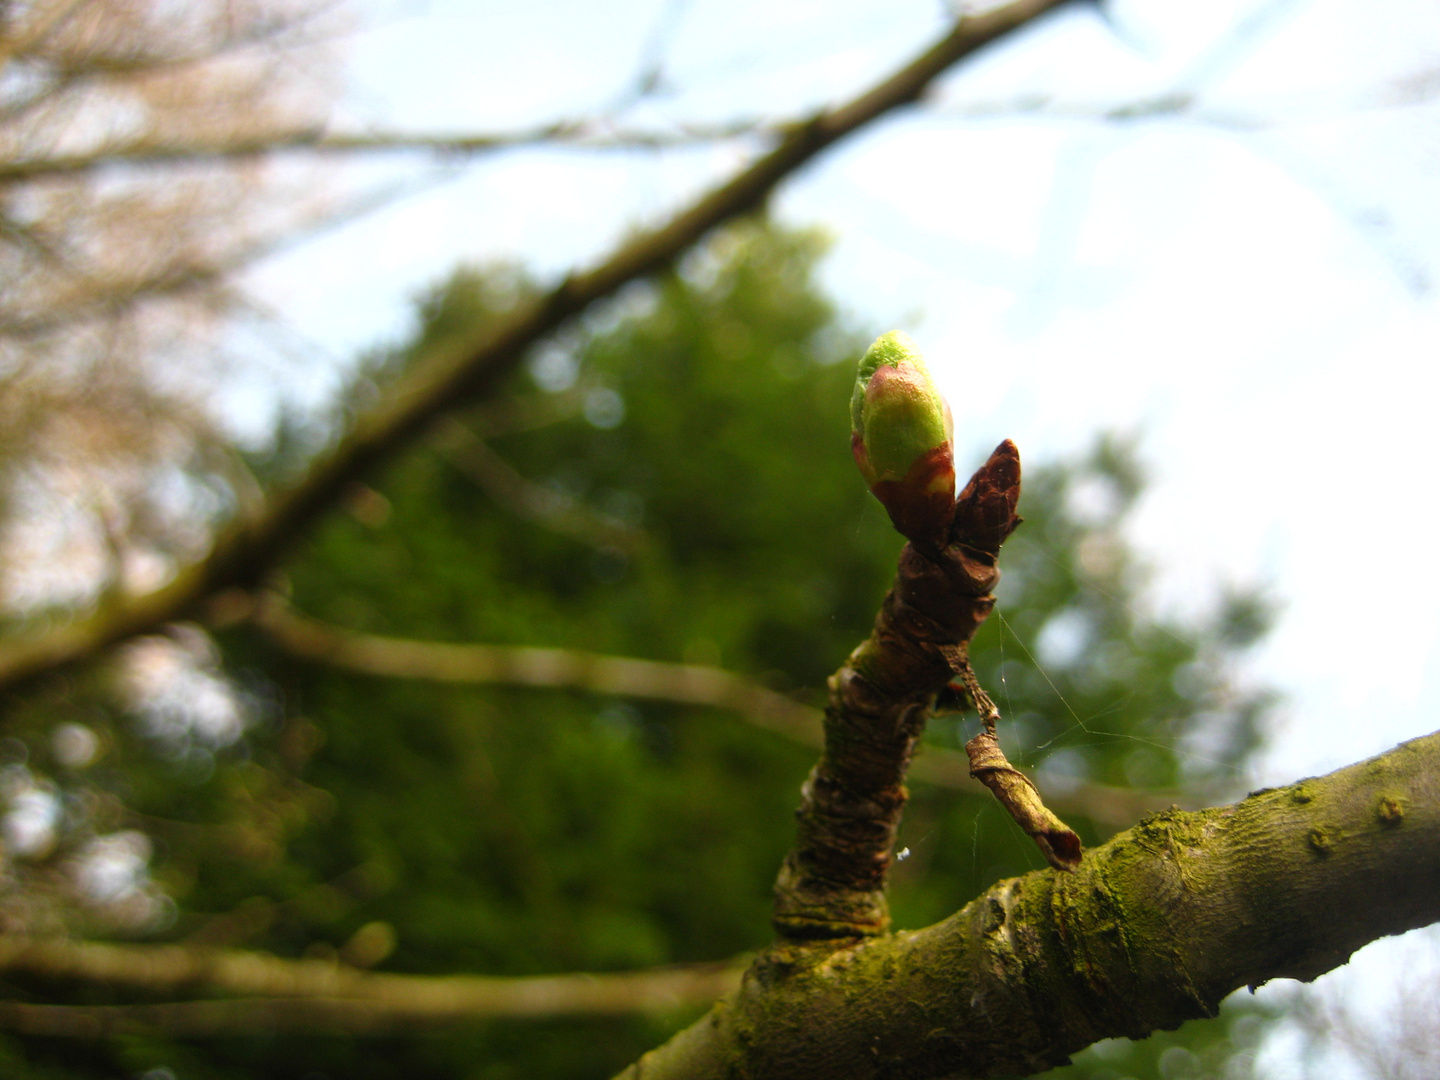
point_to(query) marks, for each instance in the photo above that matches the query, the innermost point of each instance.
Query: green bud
(901, 433)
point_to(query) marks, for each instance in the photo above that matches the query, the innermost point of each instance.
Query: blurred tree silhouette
(700, 428)
(121, 316)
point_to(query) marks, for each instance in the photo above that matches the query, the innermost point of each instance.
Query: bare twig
(464, 371)
(500, 480)
(578, 134)
(1107, 806)
(512, 415)
(685, 684)
(272, 993)
(1015, 791)
(832, 884)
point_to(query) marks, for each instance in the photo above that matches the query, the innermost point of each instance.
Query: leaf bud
(901, 434)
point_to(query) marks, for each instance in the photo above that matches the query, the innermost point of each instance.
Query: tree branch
(623, 676)
(272, 993)
(579, 134)
(462, 372)
(1155, 928)
(832, 884)
(504, 484)
(685, 684)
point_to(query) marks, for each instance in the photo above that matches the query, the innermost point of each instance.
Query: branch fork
(832, 884)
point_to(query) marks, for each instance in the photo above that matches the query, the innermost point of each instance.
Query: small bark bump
(1390, 811)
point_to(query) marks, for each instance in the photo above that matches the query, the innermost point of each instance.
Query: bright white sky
(1250, 285)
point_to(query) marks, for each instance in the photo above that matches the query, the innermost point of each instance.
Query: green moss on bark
(1155, 928)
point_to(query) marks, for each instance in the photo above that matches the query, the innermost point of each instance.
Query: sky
(1213, 226)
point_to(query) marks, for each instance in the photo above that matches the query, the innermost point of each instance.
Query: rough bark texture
(1153, 929)
(832, 883)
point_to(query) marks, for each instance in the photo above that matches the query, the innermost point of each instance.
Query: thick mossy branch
(1153, 929)
(832, 883)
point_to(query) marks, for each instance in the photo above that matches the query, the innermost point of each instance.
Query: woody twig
(1015, 791)
(832, 883)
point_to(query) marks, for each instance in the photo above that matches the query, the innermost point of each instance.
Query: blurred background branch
(506, 486)
(589, 134)
(269, 993)
(684, 684)
(468, 369)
